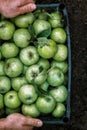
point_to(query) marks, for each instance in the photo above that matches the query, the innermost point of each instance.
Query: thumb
(33, 122)
(27, 8)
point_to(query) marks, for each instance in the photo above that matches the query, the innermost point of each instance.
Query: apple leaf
(40, 91)
(31, 30)
(45, 33)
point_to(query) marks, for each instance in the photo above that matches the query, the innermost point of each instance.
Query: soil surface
(77, 11)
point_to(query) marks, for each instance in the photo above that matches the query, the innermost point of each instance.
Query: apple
(40, 25)
(9, 50)
(2, 63)
(60, 94)
(58, 35)
(12, 100)
(1, 101)
(56, 19)
(29, 55)
(36, 74)
(44, 63)
(7, 29)
(59, 111)
(5, 84)
(44, 86)
(55, 77)
(45, 104)
(27, 94)
(13, 67)
(9, 111)
(22, 37)
(61, 54)
(30, 110)
(61, 65)
(17, 82)
(46, 47)
(42, 14)
(24, 20)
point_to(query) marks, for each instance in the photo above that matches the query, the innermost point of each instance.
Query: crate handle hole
(65, 119)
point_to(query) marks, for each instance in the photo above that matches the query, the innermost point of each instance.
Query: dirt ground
(77, 12)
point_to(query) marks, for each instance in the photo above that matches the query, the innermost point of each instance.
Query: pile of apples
(33, 64)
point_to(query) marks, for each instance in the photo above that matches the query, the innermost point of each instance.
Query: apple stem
(10, 96)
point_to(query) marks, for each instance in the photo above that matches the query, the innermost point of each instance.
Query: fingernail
(40, 123)
(33, 6)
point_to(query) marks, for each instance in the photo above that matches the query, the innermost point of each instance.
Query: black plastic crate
(49, 119)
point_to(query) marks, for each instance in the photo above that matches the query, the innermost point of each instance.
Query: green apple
(44, 63)
(46, 48)
(40, 26)
(22, 37)
(29, 55)
(44, 86)
(17, 82)
(13, 67)
(27, 94)
(56, 19)
(9, 111)
(60, 94)
(30, 110)
(5, 84)
(12, 100)
(24, 20)
(36, 74)
(9, 50)
(59, 111)
(55, 77)
(58, 35)
(2, 63)
(1, 101)
(42, 14)
(45, 104)
(61, 54)
(7, 29)
(61, 65)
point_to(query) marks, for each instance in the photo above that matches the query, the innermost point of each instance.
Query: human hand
(12, 8)
(19, 122)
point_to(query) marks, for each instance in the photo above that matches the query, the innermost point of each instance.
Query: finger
(33, 122)
(24, 2)
(27, 128)
(27, 8)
